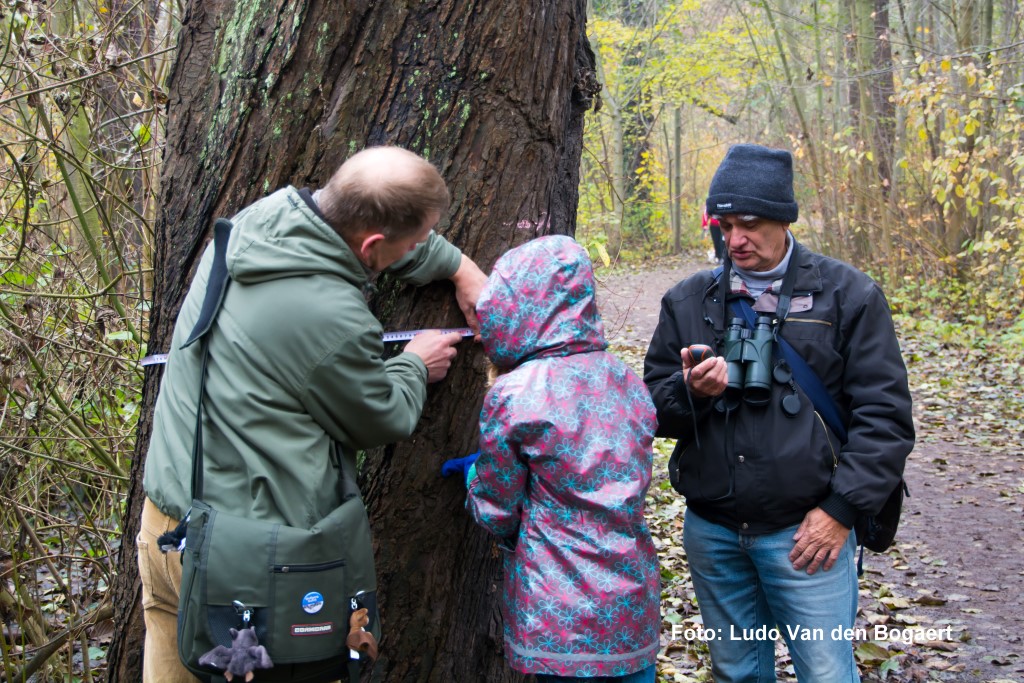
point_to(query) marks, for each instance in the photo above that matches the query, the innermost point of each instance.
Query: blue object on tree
(460, 466)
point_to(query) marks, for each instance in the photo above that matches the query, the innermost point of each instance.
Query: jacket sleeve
(361, 400)
(663, 375)
(881, 425)
(434, 259)
(497, 493)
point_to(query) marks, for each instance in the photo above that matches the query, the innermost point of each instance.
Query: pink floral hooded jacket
(564, 466)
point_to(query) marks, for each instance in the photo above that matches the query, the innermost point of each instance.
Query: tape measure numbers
(409, 334)
(398, 336)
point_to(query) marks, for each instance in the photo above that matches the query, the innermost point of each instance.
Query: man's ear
(366, 246)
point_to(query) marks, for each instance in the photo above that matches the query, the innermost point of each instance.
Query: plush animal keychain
(359, 639)
(244, 655)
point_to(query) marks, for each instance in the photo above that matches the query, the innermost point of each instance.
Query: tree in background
(264, 95)
(657, 60)
(904, 117)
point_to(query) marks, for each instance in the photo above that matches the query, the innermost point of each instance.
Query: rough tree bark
(270, 92)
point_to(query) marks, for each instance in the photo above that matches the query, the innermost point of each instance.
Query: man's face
(385, 252)
(754, 244)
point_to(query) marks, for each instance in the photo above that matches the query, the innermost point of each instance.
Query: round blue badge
(312, 602)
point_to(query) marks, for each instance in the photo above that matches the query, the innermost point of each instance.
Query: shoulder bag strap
(216, 287)
(803, 374)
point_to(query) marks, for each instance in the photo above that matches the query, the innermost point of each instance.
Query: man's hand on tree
(437, 351)
(469, 281)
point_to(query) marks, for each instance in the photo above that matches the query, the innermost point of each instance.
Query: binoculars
(748, 357)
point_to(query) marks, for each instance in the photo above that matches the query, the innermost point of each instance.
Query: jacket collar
(808, 277)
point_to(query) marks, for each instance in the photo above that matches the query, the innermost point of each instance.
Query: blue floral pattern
(564, 467)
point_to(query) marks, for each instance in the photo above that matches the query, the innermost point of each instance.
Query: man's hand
(469, 281)
(819, 540)
(706, 379)
(437, 351)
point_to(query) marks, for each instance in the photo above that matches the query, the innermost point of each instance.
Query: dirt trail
(958, 560)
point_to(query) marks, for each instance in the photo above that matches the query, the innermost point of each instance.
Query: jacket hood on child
(539, 302)
(563, 472)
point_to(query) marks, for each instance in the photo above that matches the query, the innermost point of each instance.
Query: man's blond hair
(388, 190)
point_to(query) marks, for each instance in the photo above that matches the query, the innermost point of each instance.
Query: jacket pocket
(790, 467)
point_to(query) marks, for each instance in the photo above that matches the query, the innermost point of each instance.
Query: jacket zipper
(826, 323)
(835, 458)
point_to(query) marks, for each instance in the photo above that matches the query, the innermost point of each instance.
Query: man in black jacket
(772, 491)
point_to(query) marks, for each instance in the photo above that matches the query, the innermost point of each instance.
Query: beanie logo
(726, 205)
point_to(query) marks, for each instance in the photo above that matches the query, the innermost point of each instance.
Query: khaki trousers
(161, 586)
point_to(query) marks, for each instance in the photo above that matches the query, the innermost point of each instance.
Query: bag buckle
(244, 613)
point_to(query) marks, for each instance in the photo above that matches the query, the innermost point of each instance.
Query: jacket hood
(282, 236)
(539, 302)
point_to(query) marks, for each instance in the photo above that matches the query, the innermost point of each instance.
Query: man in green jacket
(296, 372)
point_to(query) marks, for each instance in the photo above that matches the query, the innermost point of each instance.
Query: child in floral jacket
(564, 466)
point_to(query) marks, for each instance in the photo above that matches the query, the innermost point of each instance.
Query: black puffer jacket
(755, 469)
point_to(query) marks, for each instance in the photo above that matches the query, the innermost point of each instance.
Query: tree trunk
(614, 164)
(808, 140)
(882, 90)
(274, 92)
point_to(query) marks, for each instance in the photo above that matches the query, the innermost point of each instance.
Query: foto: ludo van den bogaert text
(876, 632)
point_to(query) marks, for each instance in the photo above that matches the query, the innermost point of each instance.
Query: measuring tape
(409, 334)
(406, 335)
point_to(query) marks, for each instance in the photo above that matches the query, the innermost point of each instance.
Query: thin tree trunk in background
(642, 15)
(987, 15)
(677, 198)
(74, 136)
(882, 89)
(988, 118)
(277, 92)
(810, 143)
(671, 182)
(959, 225)
(860, 184)
(819, 58)
(614, 164)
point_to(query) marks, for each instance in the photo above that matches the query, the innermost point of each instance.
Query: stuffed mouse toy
(244, 655)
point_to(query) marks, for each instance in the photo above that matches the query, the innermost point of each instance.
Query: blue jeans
(748, 592)
(643, 676)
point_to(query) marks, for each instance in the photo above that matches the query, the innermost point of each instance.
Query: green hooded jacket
(296, 376)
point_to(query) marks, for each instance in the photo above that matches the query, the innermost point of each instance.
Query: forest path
(958, 561)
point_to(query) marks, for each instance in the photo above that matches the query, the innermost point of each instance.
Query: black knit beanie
(754, 180)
